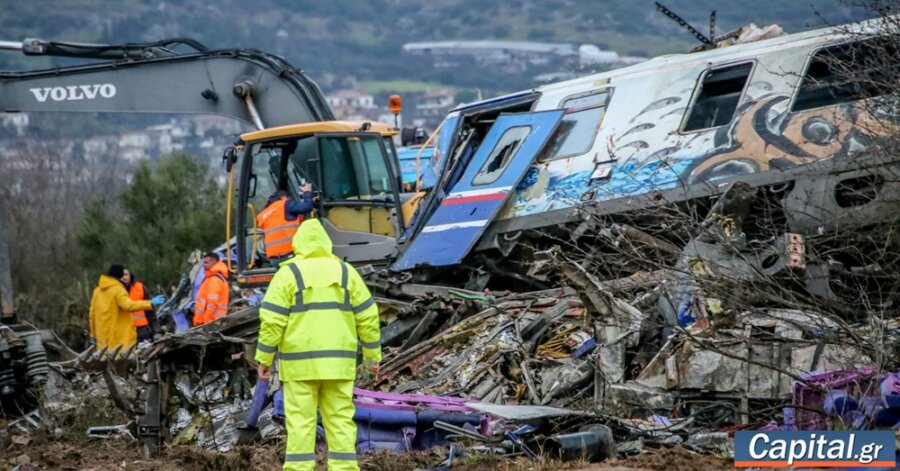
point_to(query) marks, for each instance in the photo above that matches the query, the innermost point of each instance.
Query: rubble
(544, 375)
(598, 369)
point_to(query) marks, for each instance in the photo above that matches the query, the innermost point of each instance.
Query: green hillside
(364, 38)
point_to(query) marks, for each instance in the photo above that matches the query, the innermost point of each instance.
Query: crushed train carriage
(777, 115)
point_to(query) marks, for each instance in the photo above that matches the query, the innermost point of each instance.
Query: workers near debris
(316, 311)
(280, 220)
(212, 297)
(111, 322)
(144, 321)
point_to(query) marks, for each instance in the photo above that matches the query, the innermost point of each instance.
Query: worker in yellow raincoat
(315, 313)
(110, 317)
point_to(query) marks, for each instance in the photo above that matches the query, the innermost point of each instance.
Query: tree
(165, 212)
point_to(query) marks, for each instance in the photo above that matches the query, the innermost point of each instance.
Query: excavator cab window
(355, 186)
(359, 188)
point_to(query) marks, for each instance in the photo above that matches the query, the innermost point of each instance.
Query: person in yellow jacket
(316, 312)
(111, 324)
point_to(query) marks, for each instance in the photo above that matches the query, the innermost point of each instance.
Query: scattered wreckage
(551, 374)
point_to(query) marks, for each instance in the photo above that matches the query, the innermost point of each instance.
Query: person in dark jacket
(144, 321)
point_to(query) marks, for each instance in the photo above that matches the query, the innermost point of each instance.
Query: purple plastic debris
(456, 404)
(260, 399)
(809, 396)
(404, 421)
(685, 314)
(890, 390)
(838, 402)
(279, 405)
(585, 348)
(661, 420)
(372, 414)
(378, 438)
(789, 418)
(181, 321)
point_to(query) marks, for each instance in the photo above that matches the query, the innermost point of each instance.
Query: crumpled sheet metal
(495, 355)
(743, 362)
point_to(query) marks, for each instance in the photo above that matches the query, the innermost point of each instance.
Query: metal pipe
(245, 90)
(254, 114)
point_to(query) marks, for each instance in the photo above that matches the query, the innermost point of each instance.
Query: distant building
(489, 52)
(208, 123)
(430, 107)
(518, 56)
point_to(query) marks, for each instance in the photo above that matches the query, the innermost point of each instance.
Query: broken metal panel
(470, 206)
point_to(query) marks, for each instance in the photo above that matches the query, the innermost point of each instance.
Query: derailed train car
(799, 119)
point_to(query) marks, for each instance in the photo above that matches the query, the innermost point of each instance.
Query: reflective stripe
(318, 354)
(339, 455)
(275, 308)
(298, 276)
(374, 344)
(322, 305)
(365, 305)
(201, 302)
(344, 275)
(298, 300)
(299, 306)
(278, 228)
(283, 240)
(299, 457)
(265, 348)
(212, 296)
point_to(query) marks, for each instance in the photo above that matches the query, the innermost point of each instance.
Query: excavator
(353, 165)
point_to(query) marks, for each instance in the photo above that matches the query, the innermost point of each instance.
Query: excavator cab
(354, 170)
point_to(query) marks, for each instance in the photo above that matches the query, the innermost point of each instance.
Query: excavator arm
(246, 84)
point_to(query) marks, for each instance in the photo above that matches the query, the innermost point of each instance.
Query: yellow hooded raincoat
(316, 311)
(110, 315)
(315, 314)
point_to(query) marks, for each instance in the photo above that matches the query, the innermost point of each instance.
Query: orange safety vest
(278, 232)
(213, 295)
(137, 293)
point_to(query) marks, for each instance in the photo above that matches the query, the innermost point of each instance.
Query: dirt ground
(62, 444)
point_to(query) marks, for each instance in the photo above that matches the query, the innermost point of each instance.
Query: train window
(501, 155)
(847, 72)
(578, 127)
(718, 97)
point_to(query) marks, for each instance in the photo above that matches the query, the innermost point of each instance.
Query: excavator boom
(246, 84)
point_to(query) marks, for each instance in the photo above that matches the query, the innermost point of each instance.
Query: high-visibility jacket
(136, 292)
(212, 297)
(316, 312)
(110, 314)
(278, 231)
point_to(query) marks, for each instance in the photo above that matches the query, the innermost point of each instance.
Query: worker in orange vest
(280, 220)
(212, 297)
(144, 321)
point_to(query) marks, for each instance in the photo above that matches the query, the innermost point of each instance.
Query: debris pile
(590, 371)
(530, 348)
